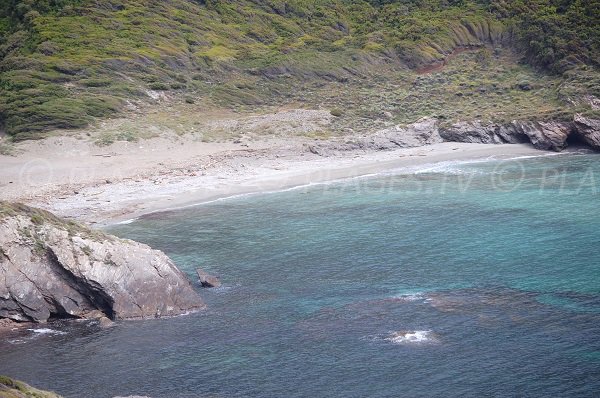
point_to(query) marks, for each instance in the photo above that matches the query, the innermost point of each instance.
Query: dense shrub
(65, 62)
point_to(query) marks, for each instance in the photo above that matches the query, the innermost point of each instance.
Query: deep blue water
(461, 280)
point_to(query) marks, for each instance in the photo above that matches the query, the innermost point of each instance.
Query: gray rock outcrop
(51, 268)
(482, 133)
(207, 280)
(546, 135)
(588, 130)
(423, 132)
(550, 135)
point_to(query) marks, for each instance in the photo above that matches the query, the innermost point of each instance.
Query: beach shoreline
(333, 169)
(103, 186)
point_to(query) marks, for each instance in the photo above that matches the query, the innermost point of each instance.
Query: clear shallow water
(472, 280)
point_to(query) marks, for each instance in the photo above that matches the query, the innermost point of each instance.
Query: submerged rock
(207, 280)
(10, 388)
(104, 323)
(51, 268)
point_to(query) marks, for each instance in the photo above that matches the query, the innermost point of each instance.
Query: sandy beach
(103, 185)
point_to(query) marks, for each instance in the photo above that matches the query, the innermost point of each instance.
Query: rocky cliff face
(545, 135)
(480, 132)
(50, 268)
(588, 129)
(549, 135)
(542, 135)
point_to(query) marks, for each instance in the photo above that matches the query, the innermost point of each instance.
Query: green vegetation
(337, 112)
(6, 147)
(41, 217)
(65, 63)
(10, 388)
(554, 34)
(467, 88)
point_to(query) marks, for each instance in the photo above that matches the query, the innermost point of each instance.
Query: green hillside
(64, 63)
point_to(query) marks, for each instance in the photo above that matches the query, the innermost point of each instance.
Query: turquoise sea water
(456, 280)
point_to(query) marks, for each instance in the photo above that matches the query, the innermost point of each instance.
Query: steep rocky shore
(544, 135)
(52, 269)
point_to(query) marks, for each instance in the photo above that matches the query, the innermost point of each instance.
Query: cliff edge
(52, 269)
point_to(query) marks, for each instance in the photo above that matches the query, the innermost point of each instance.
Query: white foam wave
(46, 331)
(410, 297)
(450, 167)
(16, 341)
(125, 222)
(444, 167)
(411, 337)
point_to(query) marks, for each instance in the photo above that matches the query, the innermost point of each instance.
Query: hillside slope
(65, 63)
(10, 388)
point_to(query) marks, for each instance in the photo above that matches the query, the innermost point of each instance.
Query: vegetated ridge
(66, 63)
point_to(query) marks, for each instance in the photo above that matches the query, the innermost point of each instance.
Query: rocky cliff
(546, 135)
(51, 268)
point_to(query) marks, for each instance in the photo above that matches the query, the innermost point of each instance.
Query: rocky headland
(54, 269)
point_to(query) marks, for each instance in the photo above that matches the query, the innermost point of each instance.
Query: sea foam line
(46, 331)
(404, 170)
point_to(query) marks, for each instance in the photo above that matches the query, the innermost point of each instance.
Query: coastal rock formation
(588, 130)
(483, 133)
(10, 388)
(546, 135)
(207, 280)
(423, 132)
(552, 135)
(51, 268)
